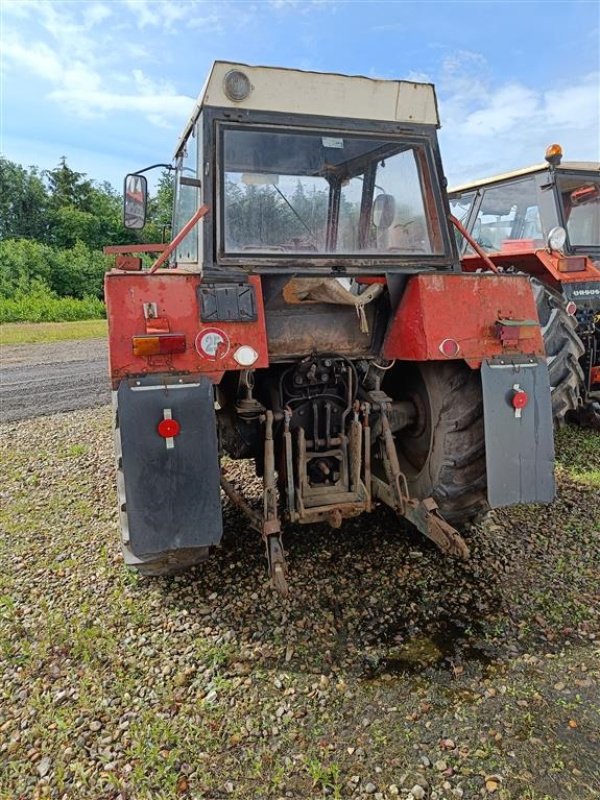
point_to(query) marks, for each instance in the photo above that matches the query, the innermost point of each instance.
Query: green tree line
(53, 226)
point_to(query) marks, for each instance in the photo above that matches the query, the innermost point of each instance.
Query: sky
(110, 83)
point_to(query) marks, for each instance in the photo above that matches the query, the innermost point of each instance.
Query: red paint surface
(175, 294)
(535, 262)
(465, 308)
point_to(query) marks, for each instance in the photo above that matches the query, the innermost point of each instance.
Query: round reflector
(167, 428)
(245, 355)
(571, 308)
(449, 347)
(520, 399)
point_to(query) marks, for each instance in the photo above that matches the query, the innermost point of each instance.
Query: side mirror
(384, 211)
(135, 201)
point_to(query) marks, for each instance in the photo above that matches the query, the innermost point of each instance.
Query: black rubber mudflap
(172, 494)
(519, 446)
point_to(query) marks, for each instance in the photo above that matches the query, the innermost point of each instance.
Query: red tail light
(159, 344)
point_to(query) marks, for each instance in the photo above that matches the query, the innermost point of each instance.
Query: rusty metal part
(355, 449)
(335, 518)
(289, 463)
(425, 516)
(201, 212)
(270, 510)
(474, 244)
(126, 249)
(277, 565)
(294, 331)
(267, 524)
(366, 407)
(256, 521)
(271, 526)
(395, 476)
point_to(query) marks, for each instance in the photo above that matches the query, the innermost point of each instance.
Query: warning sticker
(212, 343)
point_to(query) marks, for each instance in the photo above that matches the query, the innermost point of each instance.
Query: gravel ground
(40, 379)
(390, 672)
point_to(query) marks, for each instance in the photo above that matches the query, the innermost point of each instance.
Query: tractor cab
(298, 179)
(554, 205)
(544, 220)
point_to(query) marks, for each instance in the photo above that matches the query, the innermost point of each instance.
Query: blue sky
(110, 83)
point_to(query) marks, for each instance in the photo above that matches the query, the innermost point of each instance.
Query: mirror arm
(169, 167)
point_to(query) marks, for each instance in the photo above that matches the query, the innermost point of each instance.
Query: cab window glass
(186, 201)
(580, 196)
(460, 207)
(507, 213)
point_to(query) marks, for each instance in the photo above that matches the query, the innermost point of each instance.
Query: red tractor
(311, 315)
(545, 221)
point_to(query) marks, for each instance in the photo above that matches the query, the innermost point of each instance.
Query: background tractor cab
(544, 220)
(310, 314)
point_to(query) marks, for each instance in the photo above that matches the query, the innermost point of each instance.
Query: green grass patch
(578, 454)
(34, 332)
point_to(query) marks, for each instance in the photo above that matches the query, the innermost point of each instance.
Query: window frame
(214, 121)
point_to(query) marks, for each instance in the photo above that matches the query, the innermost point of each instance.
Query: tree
(23, 202)
(160, 209)
(67, 187)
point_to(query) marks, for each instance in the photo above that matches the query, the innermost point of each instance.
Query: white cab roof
(578, 166)
(328, 94)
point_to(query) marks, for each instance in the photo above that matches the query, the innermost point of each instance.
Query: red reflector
(571, 308)
(158, 344)
(167, 428)
(520, 399)
(449, 347)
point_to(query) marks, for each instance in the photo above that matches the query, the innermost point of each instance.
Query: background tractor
(545, 221)
(311, 315)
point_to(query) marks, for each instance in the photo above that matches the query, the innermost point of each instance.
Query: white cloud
(489, 127)
(170, 16)
(79, 68)
(96, 13)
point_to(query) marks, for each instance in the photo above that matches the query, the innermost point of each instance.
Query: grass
(83, 641)
(578, 454)
(35, 332)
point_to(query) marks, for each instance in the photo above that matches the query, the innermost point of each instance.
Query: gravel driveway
(39, 379)
(389, 672)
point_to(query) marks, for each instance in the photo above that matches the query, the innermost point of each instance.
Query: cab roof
(565, 166)
(294, 91)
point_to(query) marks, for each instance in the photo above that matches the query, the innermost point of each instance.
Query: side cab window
(187, 194)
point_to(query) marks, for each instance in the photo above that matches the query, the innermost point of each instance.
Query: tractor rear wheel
(564, 348)
(443, 454)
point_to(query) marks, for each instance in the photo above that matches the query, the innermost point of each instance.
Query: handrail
(480, 252)
(201, 212)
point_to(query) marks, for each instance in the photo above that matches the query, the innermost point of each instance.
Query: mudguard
(170, 486)
(519, 444)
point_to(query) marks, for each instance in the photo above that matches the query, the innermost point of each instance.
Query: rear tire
(564, 348)
(443, 454)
